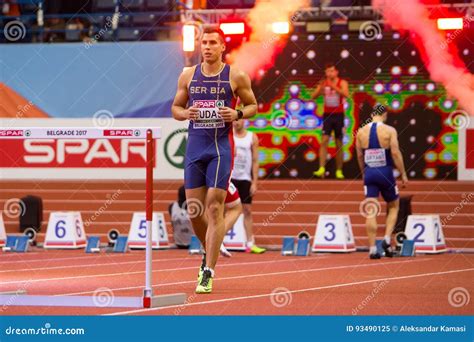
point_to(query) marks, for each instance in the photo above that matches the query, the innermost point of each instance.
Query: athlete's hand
(404, 180)
(191, 113)
(228, 114)
(253, 188)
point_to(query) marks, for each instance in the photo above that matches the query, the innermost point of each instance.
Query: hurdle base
(17, 292)
(164, 300)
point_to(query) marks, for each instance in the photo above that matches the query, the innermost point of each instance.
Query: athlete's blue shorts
(208, 161)
(380, 180)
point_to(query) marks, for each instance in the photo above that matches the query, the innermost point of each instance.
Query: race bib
(331, 98)
(209, 116)
(239, 160)
(375, 157)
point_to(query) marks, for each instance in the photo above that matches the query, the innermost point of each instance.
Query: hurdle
(148, 300)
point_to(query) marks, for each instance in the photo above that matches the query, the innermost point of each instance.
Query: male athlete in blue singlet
(378, 153)
(207, 96)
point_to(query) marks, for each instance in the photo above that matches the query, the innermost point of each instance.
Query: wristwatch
(240, 114)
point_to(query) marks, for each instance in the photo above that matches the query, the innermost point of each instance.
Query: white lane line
(154, 271)
(246, 276)
(292, 291)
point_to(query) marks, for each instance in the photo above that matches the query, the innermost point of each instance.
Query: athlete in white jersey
(245, 177)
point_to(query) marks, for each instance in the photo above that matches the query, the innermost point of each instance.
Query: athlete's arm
(318, 90)
(178, 109)
(397, 155)
(253, 187)
(243, 89)
(343, 89)
(360, 153)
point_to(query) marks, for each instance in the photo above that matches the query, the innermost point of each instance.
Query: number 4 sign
(427, 232)
(236, 239)
(334, 234)
(137, 233)
(65, 230)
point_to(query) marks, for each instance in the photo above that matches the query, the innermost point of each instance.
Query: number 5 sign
(334, 234)
(427, 232)
(137, 232)
(65, 230)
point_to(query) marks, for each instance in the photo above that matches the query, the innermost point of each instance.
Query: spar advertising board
(92, 158)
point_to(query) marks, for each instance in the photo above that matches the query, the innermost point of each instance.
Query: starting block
(408, 248)
(302, 247)
(378, 244)
(16, 243)
(288, 246)
(93, 244)
(121, 245)
(195, 245)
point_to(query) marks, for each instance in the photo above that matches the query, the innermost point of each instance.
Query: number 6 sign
(427, 232)
(333, 234)
(65, 230)
(137, 232)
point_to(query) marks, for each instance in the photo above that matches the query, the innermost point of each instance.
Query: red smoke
(436, 49)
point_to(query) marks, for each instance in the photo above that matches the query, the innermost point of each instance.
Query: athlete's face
(239, 125)
(212, 47)
(331, 73)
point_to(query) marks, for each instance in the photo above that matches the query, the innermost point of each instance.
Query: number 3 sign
(334, 234)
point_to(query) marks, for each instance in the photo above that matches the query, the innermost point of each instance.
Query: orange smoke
(260, 50)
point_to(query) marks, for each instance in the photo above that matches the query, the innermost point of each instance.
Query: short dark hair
(214, 30)
(329, 65)
(379, 109)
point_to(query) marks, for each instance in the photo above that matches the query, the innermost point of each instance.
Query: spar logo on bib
(209, 116)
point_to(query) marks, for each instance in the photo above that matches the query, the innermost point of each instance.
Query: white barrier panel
(465, 148)
(65, 230)
(427, 232)
(334, 234)
(3, 234)
(236, 238)
(86, 156)
(137, 232)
